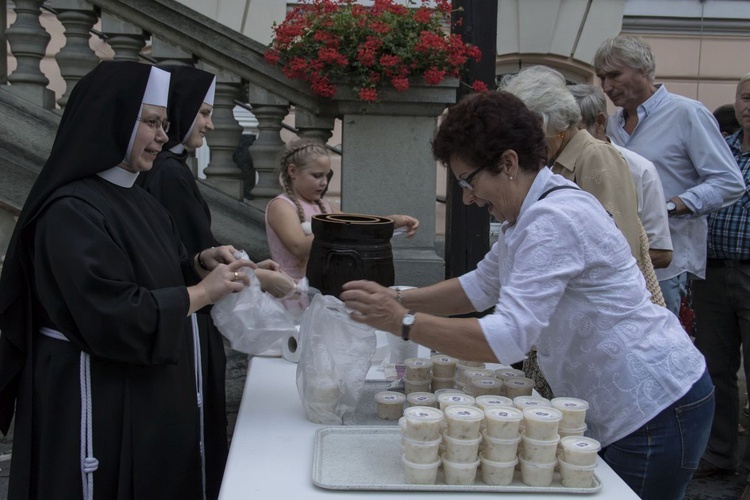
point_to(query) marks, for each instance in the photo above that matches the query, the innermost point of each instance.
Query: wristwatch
(671, 208)
(406, 324)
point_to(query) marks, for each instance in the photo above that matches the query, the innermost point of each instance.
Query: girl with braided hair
(304, 170)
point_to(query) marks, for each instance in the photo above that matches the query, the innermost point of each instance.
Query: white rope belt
(89, 464)
(199, 391)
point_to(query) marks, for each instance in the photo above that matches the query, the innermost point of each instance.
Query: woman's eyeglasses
(155, 123)
(466, 183)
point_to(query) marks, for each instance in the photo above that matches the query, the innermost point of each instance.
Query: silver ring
(236, 276)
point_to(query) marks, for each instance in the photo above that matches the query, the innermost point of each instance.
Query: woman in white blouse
(560, 277)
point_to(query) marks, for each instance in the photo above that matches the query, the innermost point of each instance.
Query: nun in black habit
(171, 182)
(97, 350)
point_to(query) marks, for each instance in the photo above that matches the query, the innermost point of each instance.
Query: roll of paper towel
(289, 348)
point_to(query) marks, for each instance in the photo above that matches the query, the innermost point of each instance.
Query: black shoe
(706, 469)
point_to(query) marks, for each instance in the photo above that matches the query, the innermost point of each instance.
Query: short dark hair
(727, 119)
(480, 127)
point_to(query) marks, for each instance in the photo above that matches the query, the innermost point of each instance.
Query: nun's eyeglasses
(155, 123)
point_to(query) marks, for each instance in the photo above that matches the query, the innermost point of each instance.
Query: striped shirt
(729, 228)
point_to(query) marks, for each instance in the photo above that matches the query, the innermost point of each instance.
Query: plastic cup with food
(523, 402)
(485, 386)
(500, 450)
(497, 473)
(536, 474)
(464, 422)
(411, 386)
(573, 412)
(461, 450)
(502, 422)
(541, 423)
(486, 401)
(518, 386)
(449, 399)
(443, 366)
(418, 369)
(539, 451)
(420, 473)
(421, 452)
(459, 473)
(576, 476)
(423, 423)
(390, 405)
(579, 450)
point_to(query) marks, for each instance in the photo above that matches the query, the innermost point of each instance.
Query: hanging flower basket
(386, 45)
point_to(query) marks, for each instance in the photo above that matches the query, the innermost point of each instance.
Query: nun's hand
(373, 305)
(225, 254)
(269, 264)
(225, 279)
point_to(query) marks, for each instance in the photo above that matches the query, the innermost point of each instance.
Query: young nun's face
(202, 125)
(149, 138)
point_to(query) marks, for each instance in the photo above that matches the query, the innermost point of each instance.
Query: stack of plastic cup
(578, 461)
(573, 411)
(443, 371)
(465, 365)
(418, 376)
(421, 439)
(390, 405)
(462, 438)
(539, 440)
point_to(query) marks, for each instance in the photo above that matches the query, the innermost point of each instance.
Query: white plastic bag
(252, 320)
(335, 354)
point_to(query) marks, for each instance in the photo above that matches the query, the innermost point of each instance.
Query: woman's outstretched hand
(411, 224)
(374, 305)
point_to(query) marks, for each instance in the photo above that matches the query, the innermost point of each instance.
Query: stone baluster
(126, 39)
(28, 42)
(165, 53)
(312, 126)
(270, 110)
(3, 42)
(75, 58)
(222, 172)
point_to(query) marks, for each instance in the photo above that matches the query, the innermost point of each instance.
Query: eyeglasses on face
(155, 123)
(466, 183)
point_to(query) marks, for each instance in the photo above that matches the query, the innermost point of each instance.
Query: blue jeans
(658, 460)
(674, 290)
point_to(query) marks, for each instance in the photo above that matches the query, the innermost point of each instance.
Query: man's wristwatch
(406, 324)
(671, 208)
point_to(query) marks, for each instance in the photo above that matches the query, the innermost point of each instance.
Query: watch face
(671, 206)
(408, 320)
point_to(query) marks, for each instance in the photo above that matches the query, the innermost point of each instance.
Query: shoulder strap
(544, 194)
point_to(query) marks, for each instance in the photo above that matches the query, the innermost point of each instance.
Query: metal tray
(369, 458)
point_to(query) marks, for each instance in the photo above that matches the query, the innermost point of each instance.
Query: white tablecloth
(272, 448)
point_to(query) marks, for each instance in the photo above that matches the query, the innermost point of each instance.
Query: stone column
(76, 58)
(387, 168)
(313, 126)
(126, 39)
(270, 110)
(222, 173)
(28, 43)
(3, 41)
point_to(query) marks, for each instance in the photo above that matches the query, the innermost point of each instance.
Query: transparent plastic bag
(335, 354)
(252, 320)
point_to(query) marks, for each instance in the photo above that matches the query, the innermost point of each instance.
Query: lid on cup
(467, 413)
(570, 404)
(487, 400)
(389, 397)
(454, 398)
(421, 398)
(472, 373)
(418, 363)
(470, 364)
(447, 391)
(523, 402)
(546, 414)
(486, 382)
(504, 373)
(503, 413)
(580, 443)
(518, 382)
(443, 359)
(423, 414)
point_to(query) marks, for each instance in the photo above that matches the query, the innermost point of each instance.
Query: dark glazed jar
(350, 247)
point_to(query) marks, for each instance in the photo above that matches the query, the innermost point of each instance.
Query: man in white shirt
(651, 208)
(680, 136)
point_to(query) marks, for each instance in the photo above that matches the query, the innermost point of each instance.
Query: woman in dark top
(171, 182)
(97, 356)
